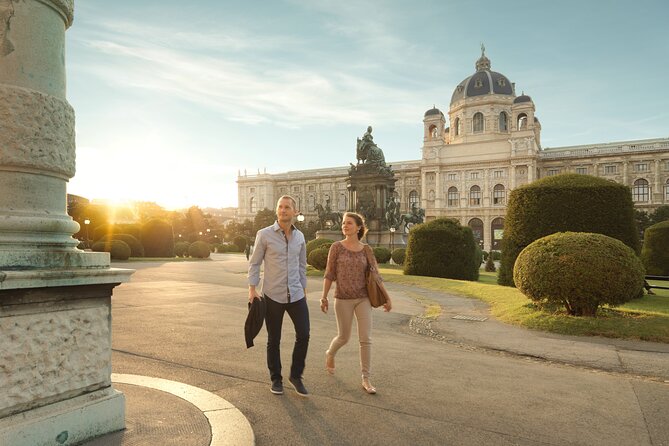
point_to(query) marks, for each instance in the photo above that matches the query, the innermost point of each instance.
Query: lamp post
(86, 223)
(392, 239)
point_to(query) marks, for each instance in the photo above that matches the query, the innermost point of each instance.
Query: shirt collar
(277, 228)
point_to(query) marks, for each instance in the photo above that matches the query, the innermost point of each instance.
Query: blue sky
(172, 98)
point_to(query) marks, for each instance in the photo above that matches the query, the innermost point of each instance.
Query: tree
(264, 217)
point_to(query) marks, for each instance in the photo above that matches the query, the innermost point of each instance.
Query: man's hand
(253, 294)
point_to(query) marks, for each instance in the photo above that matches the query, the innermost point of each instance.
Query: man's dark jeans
(299, 314)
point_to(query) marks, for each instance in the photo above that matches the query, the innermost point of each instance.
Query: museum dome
(483, 82)
(522, 98)
(433, 111)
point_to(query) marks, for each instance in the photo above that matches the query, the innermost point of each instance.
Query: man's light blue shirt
(285, 269)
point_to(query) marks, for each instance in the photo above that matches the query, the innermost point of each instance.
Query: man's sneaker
(277, 387)
(299, 387)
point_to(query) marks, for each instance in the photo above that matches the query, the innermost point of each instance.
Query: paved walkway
(179, 358)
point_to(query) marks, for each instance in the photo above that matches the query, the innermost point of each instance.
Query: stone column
(55, 300)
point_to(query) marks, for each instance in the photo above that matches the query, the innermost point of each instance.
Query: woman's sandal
(329, 359)
(369, 388)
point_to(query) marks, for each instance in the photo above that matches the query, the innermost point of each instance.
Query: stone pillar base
(66, 422)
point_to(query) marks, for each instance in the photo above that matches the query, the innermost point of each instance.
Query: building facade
(491, 146)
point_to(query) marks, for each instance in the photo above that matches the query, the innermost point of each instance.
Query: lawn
(646, 318)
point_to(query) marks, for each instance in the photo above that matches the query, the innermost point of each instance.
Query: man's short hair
(287, 197)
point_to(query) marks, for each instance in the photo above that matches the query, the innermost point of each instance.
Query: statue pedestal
(370, 187)
(384, 239)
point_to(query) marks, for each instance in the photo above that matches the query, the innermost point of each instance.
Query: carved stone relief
(6, 14)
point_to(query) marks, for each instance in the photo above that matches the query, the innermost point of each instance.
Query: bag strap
(368, 253)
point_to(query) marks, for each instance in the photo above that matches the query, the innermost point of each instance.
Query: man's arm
(303, 265)
(254, 266)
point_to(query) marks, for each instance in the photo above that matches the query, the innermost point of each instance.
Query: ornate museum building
(491, 146)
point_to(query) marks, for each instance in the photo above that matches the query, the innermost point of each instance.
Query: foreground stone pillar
(55, 300)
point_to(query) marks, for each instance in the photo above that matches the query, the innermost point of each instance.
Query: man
(284, 252)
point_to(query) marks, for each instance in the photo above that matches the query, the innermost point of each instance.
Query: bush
(240, 242)
(442, 248)
(158, 238)
(199, 250)
(490, 265)
(567, 202)
(580, 271)
(117, 249)
(136, 248)
(496, 255)
(107, 230)
(181, 249)
(398, 255)
(382, 254)
(655, 252)
(318, 243)
(318, 258)
(485, 255)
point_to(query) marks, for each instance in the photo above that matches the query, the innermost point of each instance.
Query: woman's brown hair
(359, 220)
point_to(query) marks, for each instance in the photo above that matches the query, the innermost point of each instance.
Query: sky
(173, 98)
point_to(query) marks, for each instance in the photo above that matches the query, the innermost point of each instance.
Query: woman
(347, 264)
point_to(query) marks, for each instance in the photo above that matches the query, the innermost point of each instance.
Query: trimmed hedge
(442, 248)
(240, 242)
(318, 258)
(199, 250)
(136, 248)
(398, 255)
(117, 249)
(490, 265)
(158, 238)
(580, 271)
(101, 231)
(382, 254)
(655, 252)
(318, 243)
(567, 202)
(181, 248)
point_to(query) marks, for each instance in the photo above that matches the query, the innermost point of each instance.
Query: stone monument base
(385, 239)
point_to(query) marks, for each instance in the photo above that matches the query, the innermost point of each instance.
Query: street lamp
(392, 239)
(300, 217)
(86, 223)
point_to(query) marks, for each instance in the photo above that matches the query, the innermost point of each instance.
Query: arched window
(498, 195)
(453, 197)
(253, 205)
(456, 126)
(497, 231)
(478, 122)
(475, 196)
(477, 229)
(503, 122)
(413, 199)
(433, 131)
(666, 192)
(311, 203)
(522, 121)
(640, 191)
(341, 205)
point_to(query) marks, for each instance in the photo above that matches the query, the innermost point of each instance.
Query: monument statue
(369, 154)
(325, 215)
(392, 213)
(417, 215)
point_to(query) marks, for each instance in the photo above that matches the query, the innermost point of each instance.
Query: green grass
(162, 259)
(646, 318)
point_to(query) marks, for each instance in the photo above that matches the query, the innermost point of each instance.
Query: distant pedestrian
(247, 251)
(282, 249)
(348, 261)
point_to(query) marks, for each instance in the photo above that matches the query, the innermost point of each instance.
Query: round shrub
(490, 265)
(181, 249)
(136, 248)
(655, 252)
(485, 255)
(398, 255)
(580, 271)
(158, 238)
(318, 258)
(117, 249)
(318, 243)
(199, 250)
(382, 254)
(442, 248)
(567, 202)
(240, 242)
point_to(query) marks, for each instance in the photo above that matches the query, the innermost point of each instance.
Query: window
(311, 203)
(640, 191)
(503, 122)
(433, 131)
(453, 197)
(478, 122)
(641, 167)
(341, 205)
(457, 126)
(413, 199)
(310, 188)
(474, 175)
(475, 196)
(522, 121)
(296, 188)
(582, 170)
(497, 231)
(497, 173)
(666, 192)
(477, 229)
(282, 190)
(253, 205)
(252, 190)
(552, 172)
(452, 177)
(498, 195)
(610, 170)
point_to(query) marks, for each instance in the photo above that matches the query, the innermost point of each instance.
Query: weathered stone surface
(53, 355)
(37, 132)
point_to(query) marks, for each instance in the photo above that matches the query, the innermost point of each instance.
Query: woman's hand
(388, 306)
(324, 304)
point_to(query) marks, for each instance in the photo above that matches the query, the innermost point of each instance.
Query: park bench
(660, 287)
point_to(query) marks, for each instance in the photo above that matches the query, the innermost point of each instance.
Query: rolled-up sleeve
(331, 268)
(256, 259)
